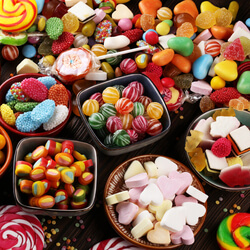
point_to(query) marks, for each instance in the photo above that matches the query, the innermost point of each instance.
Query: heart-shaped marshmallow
(165, 166)
(122, 11)
(135, 194)
(134, 168)
(180, 199)
(185, 236)
(168, 186)
(159, 235)
(159, 211)
(143, 215)
(184, 179)
(151, 195)
(193, 212)
(126, 212)
(174, 219)
(151, 169)
(136, 181)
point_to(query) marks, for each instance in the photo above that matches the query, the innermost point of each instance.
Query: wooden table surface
(85, 231)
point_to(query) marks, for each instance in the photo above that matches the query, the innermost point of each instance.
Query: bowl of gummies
(34, 105)
(152, 201)
(217, 147)
(124, 114)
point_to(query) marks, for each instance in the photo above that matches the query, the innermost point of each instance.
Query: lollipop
(17, 16)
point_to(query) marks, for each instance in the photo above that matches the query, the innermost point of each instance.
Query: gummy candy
(197, 157)
(236, 104)
(206, 104)
(193, 140)
(205, 20)
(195, 54)
(224, 112)
(234, 51)
(147, 22)
(183, 81)
(54, 27)
(70, 22)
(45, 47)
(185, 30)
(182, 18)
(223, 17)
(245, 42)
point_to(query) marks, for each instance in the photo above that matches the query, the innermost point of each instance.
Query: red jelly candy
(234, 51)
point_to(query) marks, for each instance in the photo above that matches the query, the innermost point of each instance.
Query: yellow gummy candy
(8, 115)
(207, 6)
(234, 160)
(197, 157)
(224, 112)
(193, 141)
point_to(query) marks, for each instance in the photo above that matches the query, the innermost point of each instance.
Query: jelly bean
(208, 6)
(155, 110)
(88, 28)
(110, 95)
(64, 159)
(201, 66)
(181, 45)
(39, 152)
(227, 70)
(79, 156)
(37, 174)
(53, 147)
(28, 51)
(46, 201)
(106, 67)
(141, 61)
(67, 146)
(79, 195)
(163, 57)
(67, 175)
(243, 83)
(23, 168)
(70, 189)
(217, 82)
(164, 13)
(41, 24)
(52, 175)
(26, 186)
(41, 162)
(162, 28)
(182, 63)
(222, 33)
(86, 178)
(60, 195)
(151, 37)
(186, 7)
(90, 106)
(149, 7)
(233, 8)
(38, 189)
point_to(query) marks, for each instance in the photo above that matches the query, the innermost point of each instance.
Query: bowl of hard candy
(218, 148)
(54, 177)
(34, 105)
(155, 202)
(124, 114)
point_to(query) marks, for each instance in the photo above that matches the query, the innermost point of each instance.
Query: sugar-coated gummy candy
(245, 42)
(70, 22)
(234, 51)
(18, 93)
(90, 106)
(205, 20)
(9, 97)
(124, 105)
(223, 17)
(97, 121)
(25, 106)
(7, 114)
(25, 124)
(183, 81)
(121, 138)
(54, 27)
(206, 104)
(48, 81)
(59, 94)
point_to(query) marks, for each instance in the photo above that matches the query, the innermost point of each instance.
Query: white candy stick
(122, 52)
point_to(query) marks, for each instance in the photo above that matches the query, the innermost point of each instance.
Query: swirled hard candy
(154, 127)
(121, 138)
(140, 124)
(114, 60)
(124, 105)
(113, 124)
(155, 110)
(107, 110)
(139, 86)
(97, 121)
(128, 66)
(110, 95)
(131, 93)
(138, 109)
(201, 66)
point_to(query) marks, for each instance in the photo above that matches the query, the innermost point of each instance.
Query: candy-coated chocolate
(141, 61)
(162, 28)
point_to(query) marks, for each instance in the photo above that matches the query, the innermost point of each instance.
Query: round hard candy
(138, 86)
(154, 127)
(133, 136)
(98, 97)
(138, 109)
(97, 121)
(120, 88)
(140, 124)
(114, 60)
(121, 138)
(125, 24)
(145, 100)
(90, 106)
(80, 40)
(131, 92)
(99, 49)
(10, 52)
(124, 105)
(110, 95)
(212, 48)
(126, 120)
(107, 110)
(155, 110)
(113, 124)
(128, 66)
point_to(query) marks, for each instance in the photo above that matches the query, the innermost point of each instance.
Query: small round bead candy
(113, 124)
(110, 95)
(124, 105)
(107, 110)
(98, 97)
(138, 86)
(131, 92)
(126, 121)
(138, 109)
(154, 127)
(128, 66)
(145, 100)
(90, 106)
(133, 136)
(97, 121)
(140, 124)
(10, 52)
(121, 138)
(155, 110)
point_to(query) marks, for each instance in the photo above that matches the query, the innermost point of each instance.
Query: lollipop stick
(122, 52)
(31, 34)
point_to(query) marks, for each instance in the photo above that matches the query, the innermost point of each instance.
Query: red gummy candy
(155, 79)
(222, 147)
(234, 51)
(153, 68)
(224, 95)
(64, 41)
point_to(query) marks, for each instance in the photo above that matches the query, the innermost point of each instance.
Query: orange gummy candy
(246, 103)
(236, 104)
(205, 20)
(150, 7)
(186, 6)
(197, 157)
(185, 30)
(193, 140)
(147, 22)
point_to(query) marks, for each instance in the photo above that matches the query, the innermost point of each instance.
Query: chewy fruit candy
(193, 140)
(205, 20)
(198, 159)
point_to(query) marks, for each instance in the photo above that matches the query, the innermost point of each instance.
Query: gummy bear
(185, 30)
(197, 157)
(234, 51)
(193, 140)
(147, 22)
(223, 17)
(70, 22)
(205, 20)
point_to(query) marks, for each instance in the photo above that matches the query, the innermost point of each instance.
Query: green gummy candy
(181, 45)
(25, 106)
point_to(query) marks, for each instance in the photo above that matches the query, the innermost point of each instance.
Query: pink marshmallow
(126, 212)
(180, 199)
(134, 194)
(203, 36)
(185, 236)
(241, 25)
(201, 87)
(100, 14)
(138, 180)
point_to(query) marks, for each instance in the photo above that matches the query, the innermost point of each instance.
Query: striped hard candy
(128, 66)
(212, 48)
(10, 52)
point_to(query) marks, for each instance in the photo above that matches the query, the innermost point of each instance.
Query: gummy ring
(234, 231)
(17, 15)
(73, 64)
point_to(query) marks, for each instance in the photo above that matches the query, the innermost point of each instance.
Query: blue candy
(201, 66)
(25, 124)
(9, 97)
(144, 34)
(248, 22)
(48, 81)
(43, 111)
(29, 51)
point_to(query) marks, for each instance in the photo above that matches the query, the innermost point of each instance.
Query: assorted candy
(55, 176)
(33, 103)
(2, 147)
(123, 115)
(159, 203)
(218, 147)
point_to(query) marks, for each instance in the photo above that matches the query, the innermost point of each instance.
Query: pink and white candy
(131, 92)
(212, 48)
(10, 52)
(128, 66)
(139, 86)
(140, 124)
(113, 123)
